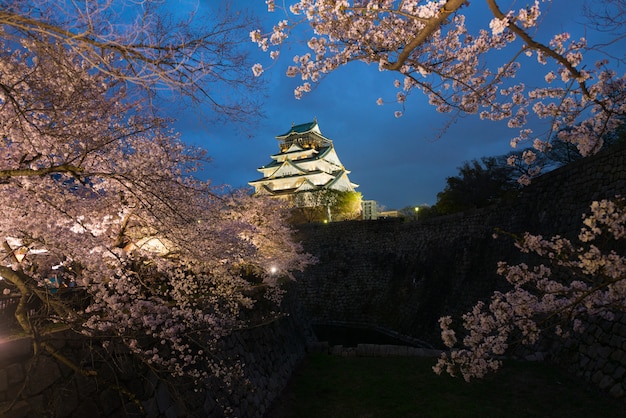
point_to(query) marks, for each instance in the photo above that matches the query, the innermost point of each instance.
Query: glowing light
(273, 270)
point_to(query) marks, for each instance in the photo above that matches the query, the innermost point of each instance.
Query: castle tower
(307, 162)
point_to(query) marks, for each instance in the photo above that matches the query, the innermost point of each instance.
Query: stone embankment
(377, 350)
(40, 386)
(390, 275)
(598, 355)
(404, 276)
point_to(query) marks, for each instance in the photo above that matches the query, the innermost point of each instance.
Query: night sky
(396, 161)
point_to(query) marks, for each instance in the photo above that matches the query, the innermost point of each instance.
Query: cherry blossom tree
(431, 47)
(191, 52)
(574, 283)
(104, 229)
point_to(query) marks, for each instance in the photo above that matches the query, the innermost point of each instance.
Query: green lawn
(330, 386)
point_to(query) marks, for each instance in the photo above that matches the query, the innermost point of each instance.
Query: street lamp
(417, 211)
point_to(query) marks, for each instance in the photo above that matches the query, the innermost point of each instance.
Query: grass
(394, 387)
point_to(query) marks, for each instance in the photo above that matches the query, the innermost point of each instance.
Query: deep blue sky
(396, 161)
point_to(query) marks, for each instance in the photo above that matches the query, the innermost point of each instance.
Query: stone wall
(393, 275)
(39, 386)
(599, 355)
(405, 275)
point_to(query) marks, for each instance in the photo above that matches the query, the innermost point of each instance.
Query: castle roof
(303, 128)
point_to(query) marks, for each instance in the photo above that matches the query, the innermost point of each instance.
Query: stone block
(15, 373)
(4, 380)
(618, 356)
(593, 351)
(43, 375)
(609, 368)
(538, 356)
(617, 341)
(87, 408)
(597, 376)
(617, 391)
(13, 350)
(587, 339)
(171, 412)
(87, 386)
(606, 326)
(21, 409)
(38, 403)
(163, 398)
(604, 351)
(110, 400)
(619, 328)
(336, 350)
(209, 405)
(244, 406)
(600, 363)
(64, 400)
(132, 409)
(584, 361)
(606, 382)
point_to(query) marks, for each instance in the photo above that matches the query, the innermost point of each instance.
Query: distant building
(307, 162)
(369, 209)
(391, 214)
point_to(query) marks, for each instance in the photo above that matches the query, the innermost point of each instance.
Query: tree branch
(39, 172)
(431, 25)
(19, 280)
(543, 48)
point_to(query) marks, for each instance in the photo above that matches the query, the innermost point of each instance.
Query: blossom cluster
(428, 43)
(579, 281)
(98, 198)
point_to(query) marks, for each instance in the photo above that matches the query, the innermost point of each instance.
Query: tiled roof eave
(299, 129)
(276, 156)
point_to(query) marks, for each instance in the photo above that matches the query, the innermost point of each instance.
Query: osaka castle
(306, 162)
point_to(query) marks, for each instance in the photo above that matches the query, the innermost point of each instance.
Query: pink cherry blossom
(99, 199)
(579, 281)
(429, 45)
